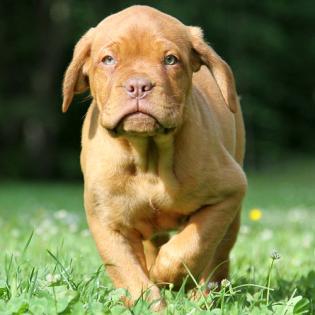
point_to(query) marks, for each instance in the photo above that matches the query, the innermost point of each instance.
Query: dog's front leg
(122, 253)
(195, 245)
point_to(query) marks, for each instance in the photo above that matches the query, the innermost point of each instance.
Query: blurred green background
(269, 44)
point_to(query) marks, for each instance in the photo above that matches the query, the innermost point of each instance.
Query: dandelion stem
(268, 281)
(222, 301)
(274, 256)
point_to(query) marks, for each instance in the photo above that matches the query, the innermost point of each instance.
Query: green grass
(49, 263)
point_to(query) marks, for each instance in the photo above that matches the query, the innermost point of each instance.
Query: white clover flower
(61, 214)
(225, 283)
(73, 227)
(40, 230)
(15, 233)
(297, 215)
(46, 228)
(15, 253)
(52, 278)
(275, 255)
(85, 233)
(266, 235)
(245, 229)
(307, 240)
(71, 218)
(296, 262)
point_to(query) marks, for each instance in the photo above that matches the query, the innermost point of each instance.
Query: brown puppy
(162, 148)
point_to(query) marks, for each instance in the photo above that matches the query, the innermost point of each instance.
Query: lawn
(49, 263)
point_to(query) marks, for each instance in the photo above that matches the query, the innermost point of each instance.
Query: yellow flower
(255, 214)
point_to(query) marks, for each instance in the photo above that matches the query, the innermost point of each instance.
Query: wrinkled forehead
(140, 30)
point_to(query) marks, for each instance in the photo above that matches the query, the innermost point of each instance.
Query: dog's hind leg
(218, 268)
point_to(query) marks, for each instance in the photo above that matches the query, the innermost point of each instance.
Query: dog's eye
(170, 60)
(108, 60)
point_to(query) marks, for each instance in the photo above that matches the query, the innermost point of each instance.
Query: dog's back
(231, 125)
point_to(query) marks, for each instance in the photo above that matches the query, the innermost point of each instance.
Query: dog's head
(138, 65)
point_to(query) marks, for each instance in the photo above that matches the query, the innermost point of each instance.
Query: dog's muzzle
(139, 124)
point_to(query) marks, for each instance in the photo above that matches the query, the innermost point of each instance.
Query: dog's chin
(139, 124)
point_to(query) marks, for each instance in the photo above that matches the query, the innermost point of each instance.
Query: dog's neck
(154, 155)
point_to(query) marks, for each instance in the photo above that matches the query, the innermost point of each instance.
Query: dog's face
(138, 65)
(140, 74)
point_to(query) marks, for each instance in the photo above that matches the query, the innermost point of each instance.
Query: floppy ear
(75, 79)
(203, 54)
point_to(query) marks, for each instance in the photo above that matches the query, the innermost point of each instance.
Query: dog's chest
(152, 205)
(153, 192)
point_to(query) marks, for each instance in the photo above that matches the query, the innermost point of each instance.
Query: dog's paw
(157, 303)
(168, 267)
(158, 306)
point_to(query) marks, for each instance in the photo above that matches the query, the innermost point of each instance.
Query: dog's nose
(138, 87)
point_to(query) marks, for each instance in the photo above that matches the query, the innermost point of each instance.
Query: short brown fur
(174, 162)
